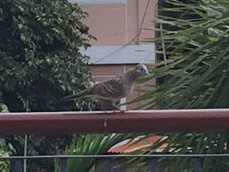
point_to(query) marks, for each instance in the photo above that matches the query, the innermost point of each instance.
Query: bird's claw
(119, 111)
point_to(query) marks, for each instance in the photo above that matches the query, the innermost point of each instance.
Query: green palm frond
(197, 68)
(91, 144)
(196, 75)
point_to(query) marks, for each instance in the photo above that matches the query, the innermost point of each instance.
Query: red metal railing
(110, 121)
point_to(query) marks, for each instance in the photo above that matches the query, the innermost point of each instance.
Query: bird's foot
(119, 111)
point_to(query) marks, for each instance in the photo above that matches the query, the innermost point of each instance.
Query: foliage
(197, 65)
(196, 73)
(4, 165)
(40, 63)
(3, 108)
(39, 54)
(91, 144)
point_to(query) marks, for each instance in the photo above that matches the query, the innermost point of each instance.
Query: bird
(113, 90)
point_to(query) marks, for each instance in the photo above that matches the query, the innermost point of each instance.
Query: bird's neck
(131, 75)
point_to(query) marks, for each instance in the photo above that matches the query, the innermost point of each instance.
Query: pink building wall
(119, 23)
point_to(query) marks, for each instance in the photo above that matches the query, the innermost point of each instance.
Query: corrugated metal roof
(134, 145)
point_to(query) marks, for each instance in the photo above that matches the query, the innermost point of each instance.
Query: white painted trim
(98, 1)
(119, 54)
(123, 107)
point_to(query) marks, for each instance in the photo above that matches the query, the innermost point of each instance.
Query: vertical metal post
(153, 164)
(26, 141)
(197, 165)
(25, 153)
(16, 165)
(104, 165)
(63, 165)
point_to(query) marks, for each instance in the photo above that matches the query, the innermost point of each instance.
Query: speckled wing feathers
(111, 89)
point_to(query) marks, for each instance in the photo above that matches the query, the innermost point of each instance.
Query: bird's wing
(110, 89)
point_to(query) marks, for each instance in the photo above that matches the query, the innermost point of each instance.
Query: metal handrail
(115, 121)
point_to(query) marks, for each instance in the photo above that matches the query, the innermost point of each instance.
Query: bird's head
(141, 70)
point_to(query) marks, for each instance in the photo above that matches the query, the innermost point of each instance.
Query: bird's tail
(78, 95)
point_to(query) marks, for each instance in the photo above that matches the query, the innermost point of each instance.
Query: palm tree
(91, 144)
(195, 72)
